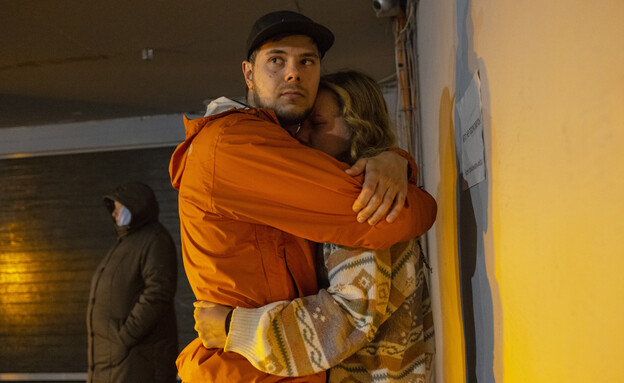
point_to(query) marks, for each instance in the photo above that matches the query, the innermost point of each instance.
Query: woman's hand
(384, 188)
(210, 323)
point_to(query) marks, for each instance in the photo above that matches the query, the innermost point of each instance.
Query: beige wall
(553, 106)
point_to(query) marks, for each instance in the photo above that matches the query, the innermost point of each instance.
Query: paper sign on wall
(468, 109)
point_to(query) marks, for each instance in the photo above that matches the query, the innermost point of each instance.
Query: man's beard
(291, 118)
(286, 118)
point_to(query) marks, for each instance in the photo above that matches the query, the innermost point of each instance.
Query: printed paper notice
(468, 110)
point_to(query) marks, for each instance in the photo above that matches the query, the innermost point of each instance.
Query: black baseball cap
(288, 23)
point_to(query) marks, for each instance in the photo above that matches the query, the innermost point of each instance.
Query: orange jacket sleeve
(253, 170)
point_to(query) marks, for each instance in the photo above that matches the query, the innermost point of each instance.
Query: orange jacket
(252, 202)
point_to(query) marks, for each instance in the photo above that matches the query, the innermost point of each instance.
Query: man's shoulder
(237, 122)
(152, 231)
(253, 115)
(234, 117)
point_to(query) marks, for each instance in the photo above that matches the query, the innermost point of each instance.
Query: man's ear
(247, 73)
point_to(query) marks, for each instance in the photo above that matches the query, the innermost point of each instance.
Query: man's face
(285, 77)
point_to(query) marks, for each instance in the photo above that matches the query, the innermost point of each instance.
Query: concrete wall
(528, 262)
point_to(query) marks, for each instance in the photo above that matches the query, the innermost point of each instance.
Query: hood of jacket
(139, 199)
(222, 104)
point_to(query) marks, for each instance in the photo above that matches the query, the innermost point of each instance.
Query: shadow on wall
(488, 234)
(474, 212)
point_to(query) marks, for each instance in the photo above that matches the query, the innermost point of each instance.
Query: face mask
(124, 217)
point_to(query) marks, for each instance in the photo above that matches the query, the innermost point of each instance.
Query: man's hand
(384, 188)
(210, 323)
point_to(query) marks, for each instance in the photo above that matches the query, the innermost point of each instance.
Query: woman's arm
(314, 333)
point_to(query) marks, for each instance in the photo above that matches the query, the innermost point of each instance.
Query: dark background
(54, 230)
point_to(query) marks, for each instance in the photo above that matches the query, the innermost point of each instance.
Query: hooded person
(131, 322)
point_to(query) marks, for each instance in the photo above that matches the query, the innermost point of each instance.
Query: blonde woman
(372, 322)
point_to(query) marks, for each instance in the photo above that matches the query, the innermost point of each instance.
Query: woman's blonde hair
(364, 110)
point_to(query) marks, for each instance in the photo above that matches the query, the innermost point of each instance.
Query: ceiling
(75, 60)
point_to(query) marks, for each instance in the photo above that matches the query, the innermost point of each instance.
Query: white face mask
(124, 216)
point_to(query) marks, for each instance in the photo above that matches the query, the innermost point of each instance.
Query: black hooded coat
(131, 320)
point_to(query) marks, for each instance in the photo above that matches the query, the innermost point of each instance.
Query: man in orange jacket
(253, 201)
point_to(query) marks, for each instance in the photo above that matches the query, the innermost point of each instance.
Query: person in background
(373, 323)
(131, 321)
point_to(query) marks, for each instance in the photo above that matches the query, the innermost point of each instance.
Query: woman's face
(325, 129)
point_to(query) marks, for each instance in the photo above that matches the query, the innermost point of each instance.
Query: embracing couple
(299, 225)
